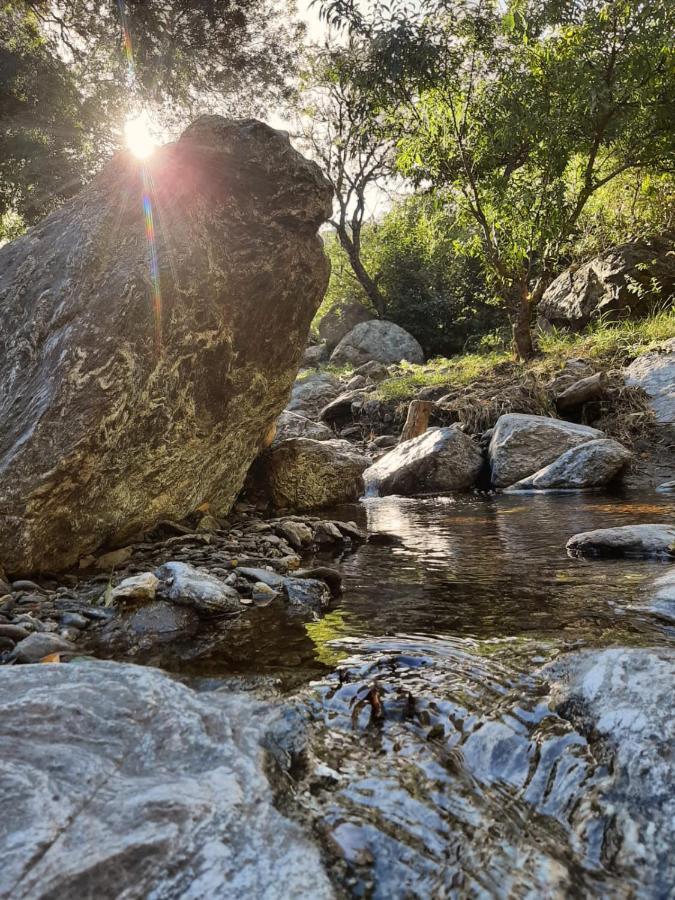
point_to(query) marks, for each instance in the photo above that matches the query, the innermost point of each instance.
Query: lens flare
(138, 136)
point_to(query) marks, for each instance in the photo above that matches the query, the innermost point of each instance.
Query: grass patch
(611, 345)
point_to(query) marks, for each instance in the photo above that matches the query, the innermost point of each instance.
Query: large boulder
(304, 474)
(340, 320)
(523, 444)
(140, 365)
(441, 459)
(119, 781)
(636, 541)
(589, 465)
(377, 340)
(616, 284)
(655, 373)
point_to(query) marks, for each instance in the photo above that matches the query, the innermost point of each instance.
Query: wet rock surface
(124, 782)
(637, 541)
(167, 395)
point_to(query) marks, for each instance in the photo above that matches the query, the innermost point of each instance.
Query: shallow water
(489, 568)
(437, 762)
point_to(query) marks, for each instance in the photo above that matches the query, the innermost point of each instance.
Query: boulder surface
(377, 340)
(616, 284)
(142, 364)
(523, 444)
(441, 459)
(304, 474)
(589, 465)
(121, 782)
(340, 320)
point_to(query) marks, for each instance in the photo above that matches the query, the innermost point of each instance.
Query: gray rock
(662, 599)
(304, 474)
(290, 425)
(377, 340)
(297, 534)
(271, 579)
(308, 592)
(14, 632)
(523, 444)
(616, 284)
(40, 644)
(623, 698)
(441, 459)
(126, 783)
(655, 374)
(74, 620)
(186, 585)
(200, 371)
(668, 487)
(312, 392)
(589, 465)
(340, 410)
(314, 355)
(357, 383)
(637, 541)
(340, 320)
(373, 370)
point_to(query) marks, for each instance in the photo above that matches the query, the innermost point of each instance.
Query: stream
(438, 763)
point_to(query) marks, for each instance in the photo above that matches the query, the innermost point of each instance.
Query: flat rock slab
(637, 541)
(118, 781)
(441, 459)
(523, 444)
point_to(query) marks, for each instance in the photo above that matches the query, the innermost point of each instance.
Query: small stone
(74, 620)
(306, 592)
(327, 533)
(25, 585)
(15, 632)
(138, 587)
(70, 634)
(297, 534)
(263, 576)
(209, 524)
(189, 586)
(40, 644)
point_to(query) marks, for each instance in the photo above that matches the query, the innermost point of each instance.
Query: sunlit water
(437, 765)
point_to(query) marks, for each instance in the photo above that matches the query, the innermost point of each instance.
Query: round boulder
(377, 340)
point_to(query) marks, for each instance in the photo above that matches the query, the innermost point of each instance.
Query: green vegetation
(517, 116)
(611, 345)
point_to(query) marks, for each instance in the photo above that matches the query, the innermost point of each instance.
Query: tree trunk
(417, 420)
(520, 315)
(371, 289)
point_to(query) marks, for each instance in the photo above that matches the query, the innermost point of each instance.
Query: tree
(342, 133)
(68, 85)
(522, 114)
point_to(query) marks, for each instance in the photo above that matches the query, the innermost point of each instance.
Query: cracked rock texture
(123, 399)
(120, 782)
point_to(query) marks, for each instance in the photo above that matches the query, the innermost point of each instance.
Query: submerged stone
(637, 541)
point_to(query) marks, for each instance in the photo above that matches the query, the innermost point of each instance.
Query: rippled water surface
(439, 763)
(490, 568)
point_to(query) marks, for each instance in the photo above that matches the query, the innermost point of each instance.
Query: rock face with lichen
(139, 377)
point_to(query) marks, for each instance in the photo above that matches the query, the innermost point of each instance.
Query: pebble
(15, 632)
(74, 620)
(38, 645)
